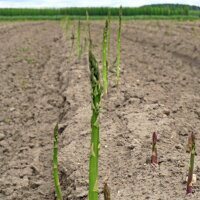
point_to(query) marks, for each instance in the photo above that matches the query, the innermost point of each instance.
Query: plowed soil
(43, 81)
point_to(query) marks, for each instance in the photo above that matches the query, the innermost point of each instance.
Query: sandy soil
(41, 80)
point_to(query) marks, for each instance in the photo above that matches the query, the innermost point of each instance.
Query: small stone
(55, 39)
(25, 182)
(164, 174)
(183, 132)
(131, 146)
(155, 102)
(35, 170)
(179, 146)
(181, 164)
(12, 109)
(166, 112)
(84, 133)
(119, 143)
(117, 105)
(82, 194)
(2, 136)
(174, 110)
(194, 178)
(138, 82)
(36, 184)
(31, 145)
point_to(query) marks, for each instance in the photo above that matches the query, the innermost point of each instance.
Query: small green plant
(95, 143)
(55, 165)
(191, 167)
(79, 39)
(104, 58)
(119, 46)
(154, 156)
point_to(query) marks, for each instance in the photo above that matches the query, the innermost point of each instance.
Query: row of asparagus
(98, 90)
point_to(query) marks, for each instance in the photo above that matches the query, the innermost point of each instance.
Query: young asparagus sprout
(119, 46)
(108, 41)
(189, 143)
(88, 24)
(88, 38)
(106, 192)
(72, 38)
(191, 167)
(55, 165)
(79, 39)
(87, 16)
(94, 148)
(85, 46)
(66, 26)
(154, 156)
(104, 59)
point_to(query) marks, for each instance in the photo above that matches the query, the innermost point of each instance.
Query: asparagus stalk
(189, 143)
(88, 24)
(55, 165)
(106, 191)
(191, 167)
(95, 144)
(67, 26)
(104, 59)
(109, 32)
(154, 156)
(79, 39)
(119, 46)
(72, 38)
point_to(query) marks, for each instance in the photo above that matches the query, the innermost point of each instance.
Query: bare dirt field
(42, 80)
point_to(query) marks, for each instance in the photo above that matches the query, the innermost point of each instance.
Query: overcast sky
(87, 3)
